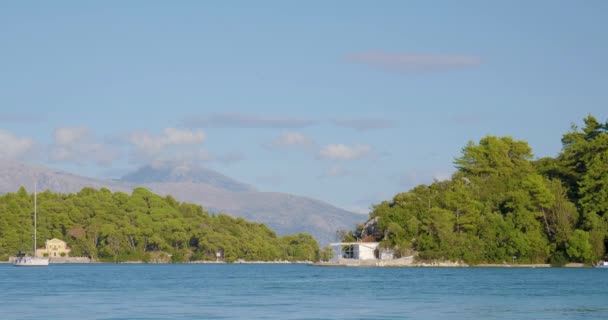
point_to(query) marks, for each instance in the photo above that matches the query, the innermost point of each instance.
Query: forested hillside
(283, 213)
(122, 227)
(502, 204)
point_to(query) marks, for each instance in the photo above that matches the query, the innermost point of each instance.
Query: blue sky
(349, 102)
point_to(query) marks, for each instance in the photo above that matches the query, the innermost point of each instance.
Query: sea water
(247, 291)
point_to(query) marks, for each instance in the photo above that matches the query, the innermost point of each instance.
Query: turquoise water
(299, 292)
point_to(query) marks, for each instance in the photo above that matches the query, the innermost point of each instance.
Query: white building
(362, 251)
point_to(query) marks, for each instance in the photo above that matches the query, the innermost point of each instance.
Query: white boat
(27, 261)
(602, 264)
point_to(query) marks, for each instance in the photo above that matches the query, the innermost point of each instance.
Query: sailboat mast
(35, 213)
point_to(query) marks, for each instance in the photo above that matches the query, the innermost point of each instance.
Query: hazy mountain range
(284, 213)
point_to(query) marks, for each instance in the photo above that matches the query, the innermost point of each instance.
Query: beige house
(54, 248)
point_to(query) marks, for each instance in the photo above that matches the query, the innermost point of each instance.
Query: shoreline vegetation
(503, 205)
(141, 226)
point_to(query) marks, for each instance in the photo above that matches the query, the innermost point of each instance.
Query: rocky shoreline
(410, 262)
(406, 262)
(399, 262)
(85, 260)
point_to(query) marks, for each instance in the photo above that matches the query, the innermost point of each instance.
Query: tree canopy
(500, 204)
(140, 226)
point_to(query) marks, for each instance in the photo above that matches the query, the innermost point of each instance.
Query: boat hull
(31, 262)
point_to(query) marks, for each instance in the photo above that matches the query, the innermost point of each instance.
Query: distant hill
(15, 174)
(284, 213)
(184, 173)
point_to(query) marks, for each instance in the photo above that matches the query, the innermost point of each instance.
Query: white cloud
(68, 136)
(292, 139)
(150, 145)
(145, 143)
(412, 63)
(344, 152)
(14, 147)
(171, 145)
(78, 145)
(176, 136)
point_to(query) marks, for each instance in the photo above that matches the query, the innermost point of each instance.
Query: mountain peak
(173, 173)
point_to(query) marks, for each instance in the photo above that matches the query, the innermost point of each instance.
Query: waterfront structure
(362, 251)
(54, 248)
(35, 260)
(365, 254)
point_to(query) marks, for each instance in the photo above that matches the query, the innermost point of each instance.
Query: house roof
(55, 240)
(371, 245)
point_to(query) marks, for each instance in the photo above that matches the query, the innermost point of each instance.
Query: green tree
(327, 253)
(578, 247)
(121, 227)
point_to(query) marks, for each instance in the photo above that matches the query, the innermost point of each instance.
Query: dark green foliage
(501, 204)
(578, 247)
(326, 253)
(120, 227)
